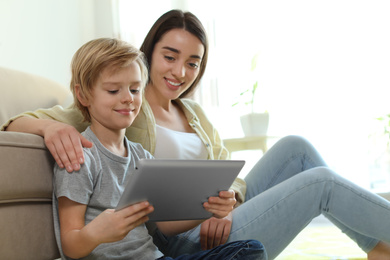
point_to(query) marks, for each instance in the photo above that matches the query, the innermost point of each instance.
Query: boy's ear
(80, 95)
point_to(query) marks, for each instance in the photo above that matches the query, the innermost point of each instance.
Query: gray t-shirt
(99, 184)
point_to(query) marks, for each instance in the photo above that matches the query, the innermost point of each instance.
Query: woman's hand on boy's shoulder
(65, 144)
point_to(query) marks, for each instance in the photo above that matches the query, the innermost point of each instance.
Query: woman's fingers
(66, 144)
(215, 232)
(222, 205)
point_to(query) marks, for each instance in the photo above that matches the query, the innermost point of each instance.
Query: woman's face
(175, 64)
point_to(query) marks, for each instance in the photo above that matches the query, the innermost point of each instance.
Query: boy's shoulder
(138, 150)
(94, 153)
(91, 155)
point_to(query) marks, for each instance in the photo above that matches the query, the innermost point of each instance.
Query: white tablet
(177, 189)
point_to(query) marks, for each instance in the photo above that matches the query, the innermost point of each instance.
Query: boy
(108, 77)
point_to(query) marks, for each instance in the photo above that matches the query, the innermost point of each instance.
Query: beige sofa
(26, 225)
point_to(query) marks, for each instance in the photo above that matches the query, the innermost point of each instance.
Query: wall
(41, 36)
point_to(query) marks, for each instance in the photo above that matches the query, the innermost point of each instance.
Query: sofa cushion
(27, 231)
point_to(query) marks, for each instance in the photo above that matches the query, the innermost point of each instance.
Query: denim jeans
(288, 187)
(247, 249)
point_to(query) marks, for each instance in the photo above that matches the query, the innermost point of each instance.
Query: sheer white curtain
(323, 68)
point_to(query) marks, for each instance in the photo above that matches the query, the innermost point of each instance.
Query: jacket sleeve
(70, 115)
(222, 153)
(219, 151)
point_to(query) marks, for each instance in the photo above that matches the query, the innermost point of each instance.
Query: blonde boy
(108, 77)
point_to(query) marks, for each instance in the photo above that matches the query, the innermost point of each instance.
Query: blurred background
(322, 66)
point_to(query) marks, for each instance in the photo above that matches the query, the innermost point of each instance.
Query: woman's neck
(156, 100)
(167, 112)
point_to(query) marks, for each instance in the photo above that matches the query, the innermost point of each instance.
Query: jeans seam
(284, 166)
(373, 242)
(277, 203)
(359, 194)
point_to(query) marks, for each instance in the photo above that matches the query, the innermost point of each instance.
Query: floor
(321, 240)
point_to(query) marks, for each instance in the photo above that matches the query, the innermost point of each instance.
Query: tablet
(177, 189)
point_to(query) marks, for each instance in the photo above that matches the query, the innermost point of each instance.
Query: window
(323, 67)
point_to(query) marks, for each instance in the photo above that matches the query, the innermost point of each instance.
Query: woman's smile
(173, 85)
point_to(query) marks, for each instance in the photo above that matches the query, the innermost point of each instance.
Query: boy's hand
(222, 205)
(66, 144)
(79, 240)
(111, 225)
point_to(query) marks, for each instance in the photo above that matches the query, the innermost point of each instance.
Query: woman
(286, 189)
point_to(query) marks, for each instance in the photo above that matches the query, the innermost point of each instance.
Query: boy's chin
(129, 123)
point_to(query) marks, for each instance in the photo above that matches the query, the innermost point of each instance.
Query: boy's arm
(76, 241)
(79, 240)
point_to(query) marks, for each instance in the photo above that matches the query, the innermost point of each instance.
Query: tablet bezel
(178, 188)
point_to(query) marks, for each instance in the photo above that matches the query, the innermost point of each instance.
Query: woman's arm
(64, 142)
(171, 228)
(207, 131)
(79, 240)
(60, 127)
(28, 125)
(220, 206)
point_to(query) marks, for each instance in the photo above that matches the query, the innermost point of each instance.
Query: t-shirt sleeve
(76, 186)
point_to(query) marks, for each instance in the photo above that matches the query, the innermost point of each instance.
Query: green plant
(247, 97)
(385, 120)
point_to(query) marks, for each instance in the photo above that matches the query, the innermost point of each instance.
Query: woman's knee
(295, 144)
(324, 173)
(295, 141)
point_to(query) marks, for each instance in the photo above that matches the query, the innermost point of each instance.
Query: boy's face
(116, 97)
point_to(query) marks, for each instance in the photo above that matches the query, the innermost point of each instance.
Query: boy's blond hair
(93, 57)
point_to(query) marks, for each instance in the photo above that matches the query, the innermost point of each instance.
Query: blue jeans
(288, 187)
(247, 249)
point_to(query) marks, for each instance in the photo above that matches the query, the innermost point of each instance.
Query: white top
(172, 144)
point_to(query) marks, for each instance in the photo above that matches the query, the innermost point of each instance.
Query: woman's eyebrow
(171, 49)
(178, 52)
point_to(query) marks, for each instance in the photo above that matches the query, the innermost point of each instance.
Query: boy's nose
(128, 97)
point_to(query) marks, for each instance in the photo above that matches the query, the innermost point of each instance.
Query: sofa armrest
(26, 168)
(26, 219)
